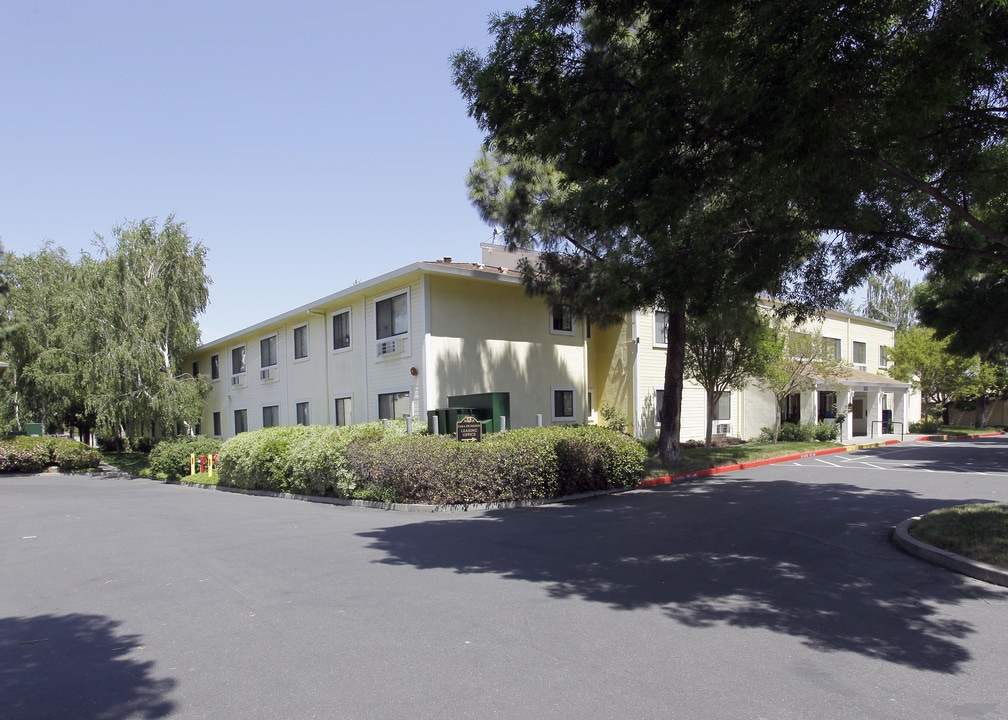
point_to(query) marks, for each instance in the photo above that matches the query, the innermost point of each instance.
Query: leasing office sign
(469, 429)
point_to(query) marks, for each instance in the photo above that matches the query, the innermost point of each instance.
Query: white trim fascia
(433, 268)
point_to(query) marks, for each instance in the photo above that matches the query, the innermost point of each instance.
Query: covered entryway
(873, 405)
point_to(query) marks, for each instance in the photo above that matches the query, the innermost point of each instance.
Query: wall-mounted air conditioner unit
(384, 348)
(724, 428)
(237, 380)
(267, 374)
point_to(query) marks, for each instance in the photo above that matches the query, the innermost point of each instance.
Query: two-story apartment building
(403, 343)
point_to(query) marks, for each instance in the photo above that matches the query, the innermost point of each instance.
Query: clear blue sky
(305, 143)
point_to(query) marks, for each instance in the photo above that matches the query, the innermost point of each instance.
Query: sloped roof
(861, 377)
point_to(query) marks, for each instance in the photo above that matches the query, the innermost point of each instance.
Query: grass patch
(701, 458)
(956, 431)
(978, 531)
(134, 463)
(201, 478)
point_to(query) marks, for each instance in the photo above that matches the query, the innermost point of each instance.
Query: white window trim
(231, 350)
(332, 316)
(294, 330)
(210, 373)
(409, 310)
(298, 402)
(234, 425)
(392, 391)
(655, 342)
(566, 309)
(835, 342)
(553, 413)
(332, 408)
(658, 405)
(276, 344)
(220, 422)
(279, 415)
(854, 362)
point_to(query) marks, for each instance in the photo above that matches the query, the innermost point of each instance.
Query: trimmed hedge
(171, 457)
(373, 462)
(22, 454)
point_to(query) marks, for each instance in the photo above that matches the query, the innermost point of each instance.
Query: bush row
(793, 432)
(375, 462)
(171, 457)
(22, 454)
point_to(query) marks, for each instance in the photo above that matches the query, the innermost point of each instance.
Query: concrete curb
(939, 438)
(901, 538)
(409, 507)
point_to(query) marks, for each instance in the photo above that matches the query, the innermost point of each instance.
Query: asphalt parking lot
(767, 593)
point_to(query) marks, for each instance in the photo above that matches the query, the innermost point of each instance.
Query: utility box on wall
(491, 405)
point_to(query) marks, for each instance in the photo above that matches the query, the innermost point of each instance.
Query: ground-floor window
(301, 413)
(791, 409)
(827, 405)
(217, 424)
(241, 421)
(343, 414)
(563, 404)
(271, 416)
(393, 405)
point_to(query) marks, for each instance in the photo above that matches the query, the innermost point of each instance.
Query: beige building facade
(403, 343)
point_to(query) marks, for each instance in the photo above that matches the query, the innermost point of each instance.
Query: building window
(660, 327)
(394, 405)
(268, 352)
(827, 404)
(832, 348)
(238, 360)
(241, 421)
(216, 424)
(301, 342)
(271, 416)
(883, 356)
(195, 368)
(561, 320)
(301, 413)
(659, 403)
(563, 403)
(343, 412)
(392, 316)
(860, 353)
(215, 367)
(722, 408)
(341, 330)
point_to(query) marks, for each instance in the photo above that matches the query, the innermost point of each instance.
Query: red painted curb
(669, 479)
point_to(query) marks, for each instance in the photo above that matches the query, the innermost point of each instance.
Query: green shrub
(926, 427)
(33, 454)
(615, 419)
(72, 455)
(171, 457)
(375, 462)
(823, 432)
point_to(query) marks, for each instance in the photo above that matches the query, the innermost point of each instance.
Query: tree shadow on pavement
(808, 560)
(76, 666)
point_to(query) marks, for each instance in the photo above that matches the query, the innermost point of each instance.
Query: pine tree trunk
(675, 363)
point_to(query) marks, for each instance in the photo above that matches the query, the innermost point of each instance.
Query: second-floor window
(268, 351)
(391, 317)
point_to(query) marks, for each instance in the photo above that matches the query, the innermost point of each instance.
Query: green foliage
(795, 432)
(171, 457)
(373, 462)
(928, 363)
(21, 454)
(924, 427)
(614, 418)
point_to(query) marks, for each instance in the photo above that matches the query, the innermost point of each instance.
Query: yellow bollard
(192, 464)
(210, 465)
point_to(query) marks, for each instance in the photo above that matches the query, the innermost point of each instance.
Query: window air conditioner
(265, 374)
(388, 347)
(236, 380)
(724, 428)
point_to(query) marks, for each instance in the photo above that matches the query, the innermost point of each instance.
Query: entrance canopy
(863, 396)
